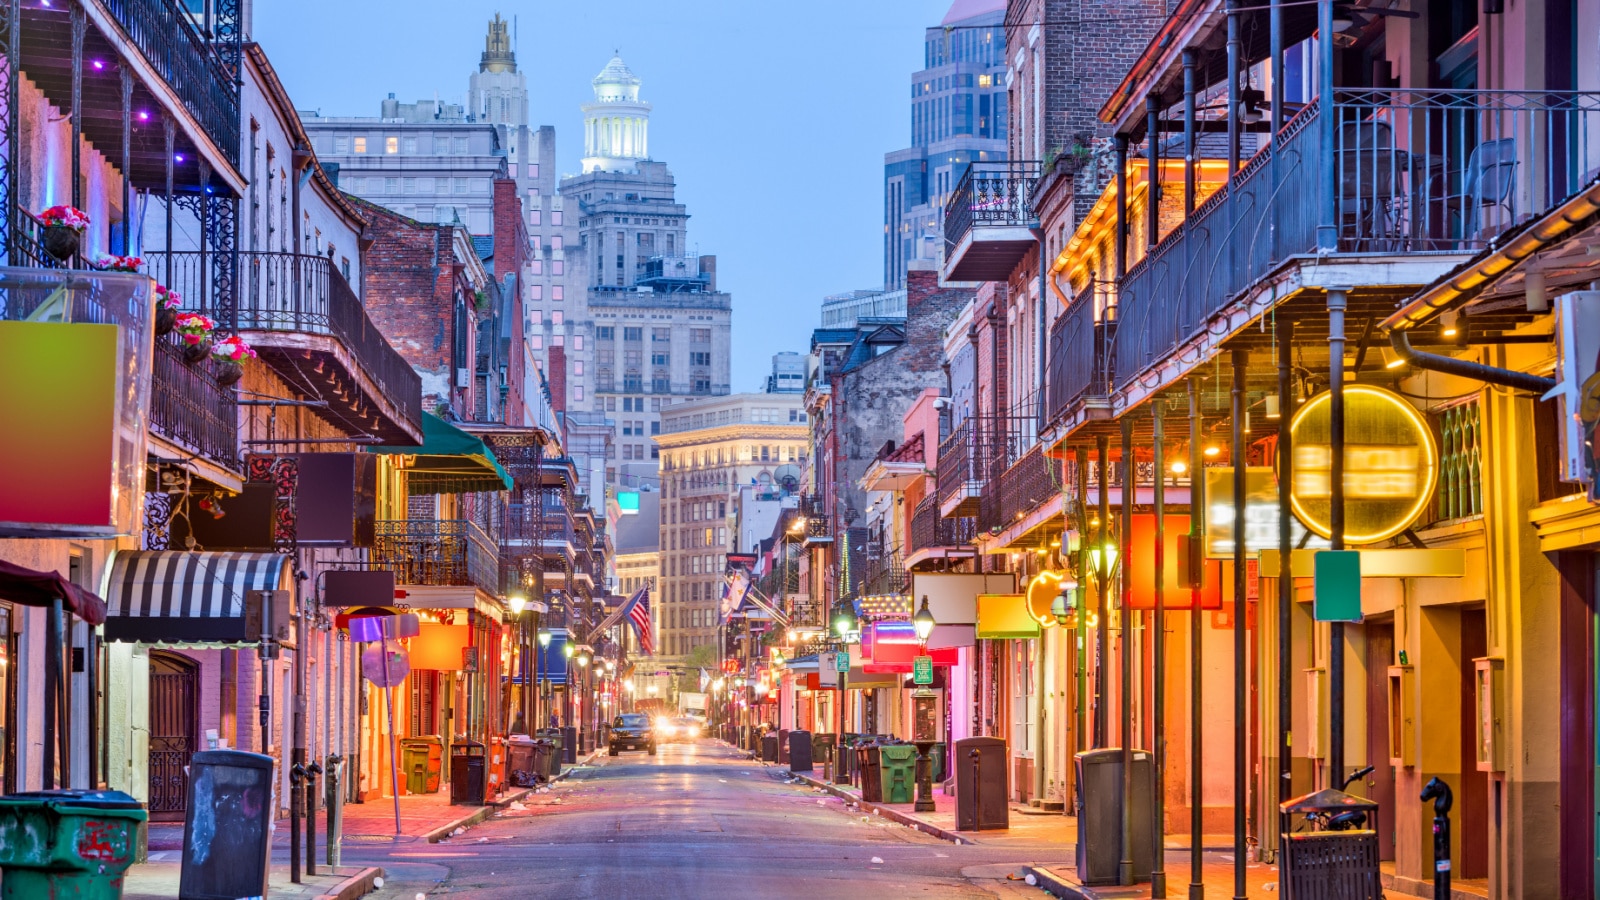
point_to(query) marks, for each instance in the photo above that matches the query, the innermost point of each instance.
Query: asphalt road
(696, 821)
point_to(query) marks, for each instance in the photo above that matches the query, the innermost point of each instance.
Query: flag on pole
(735, 584)
(637, 609)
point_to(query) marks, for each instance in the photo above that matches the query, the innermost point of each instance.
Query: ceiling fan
(1348, 15)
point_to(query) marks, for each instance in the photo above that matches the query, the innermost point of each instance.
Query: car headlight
(665, 729)
(694, 732)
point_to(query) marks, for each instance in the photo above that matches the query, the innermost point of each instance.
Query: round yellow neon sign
(1390, 464)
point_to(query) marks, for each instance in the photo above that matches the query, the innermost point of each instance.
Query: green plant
(480, 300)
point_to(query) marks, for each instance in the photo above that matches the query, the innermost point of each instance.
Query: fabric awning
(179, 597)
(30, 587)
(450, 461)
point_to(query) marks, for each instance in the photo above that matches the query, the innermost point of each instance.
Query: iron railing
(298, 293)
(1080, 361)
(190, 65)
(437, 552)
(884, 574)
(930, 530)
(963, 462)
(990, 193)
(189, 408)
(1024, 485)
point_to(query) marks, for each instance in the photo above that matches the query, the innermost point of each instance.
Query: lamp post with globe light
(541, 695)
(924, 715)
(844, 623)
(519, 603)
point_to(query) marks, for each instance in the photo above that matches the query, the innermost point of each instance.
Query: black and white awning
(179, 597)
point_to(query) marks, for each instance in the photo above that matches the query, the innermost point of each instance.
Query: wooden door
(1472, 797)
(174, 693)
(1379, 786)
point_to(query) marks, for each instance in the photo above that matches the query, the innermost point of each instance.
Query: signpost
(386, 668)
(841, 661)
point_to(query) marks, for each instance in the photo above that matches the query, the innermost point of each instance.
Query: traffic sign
(841, 661)
(922, 670)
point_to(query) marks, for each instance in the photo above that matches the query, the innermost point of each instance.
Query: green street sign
(841, 661)
(1337, 586)
(922, 670)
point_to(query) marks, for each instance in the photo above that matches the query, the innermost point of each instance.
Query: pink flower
(66, 216)
(194, 326)
(233, 349)
(107, 262)
(167, 297)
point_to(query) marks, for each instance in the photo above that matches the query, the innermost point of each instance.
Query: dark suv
(632, 731)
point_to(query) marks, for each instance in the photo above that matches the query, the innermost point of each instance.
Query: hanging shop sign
(1390, 464)
(1260, 514)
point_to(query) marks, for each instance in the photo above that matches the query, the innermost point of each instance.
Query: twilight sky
(773, 116)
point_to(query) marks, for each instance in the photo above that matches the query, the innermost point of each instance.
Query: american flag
(638, 613)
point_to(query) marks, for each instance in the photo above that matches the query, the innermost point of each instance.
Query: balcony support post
(168, 135)
(1235, 51)
(80, 25)
(12, 34)
(1336, 342)
(1327, 226)
(1191, 62)
(203, 204)
(1196, 575)
(1158, 816)
(1125, 736)
(1122, 206)
(1275, 52)
(1236, 458)
(1082, 480)
(1102, 628)
(127, 160)
(1285, 339)
(1152, 195)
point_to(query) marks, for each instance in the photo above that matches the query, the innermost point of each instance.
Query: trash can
(227, 830)
(849, 762)
(69, 843)
(899, 772)
(467, 773)
(769, 747)
(569, 745)
(783, 746)
(822, 749)
(556, 738)
(982, 784)
(1330, 863)
(522, 761)
(422, 763)
(869, 769)
(1099, 810)
(546, 759)
(800, 751)
(936, 759)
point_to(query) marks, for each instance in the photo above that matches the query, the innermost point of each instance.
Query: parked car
(632, 731)
(681, 728)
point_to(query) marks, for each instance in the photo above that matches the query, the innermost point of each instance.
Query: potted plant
(108, 262)
(63, 229)
(228, 357)
(167, 303)
(195, 332)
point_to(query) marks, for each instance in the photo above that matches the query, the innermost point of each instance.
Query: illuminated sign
(1389, 464)
(1260, 513)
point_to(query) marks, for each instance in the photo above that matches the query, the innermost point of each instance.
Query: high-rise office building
(651, 328)
(958, 116)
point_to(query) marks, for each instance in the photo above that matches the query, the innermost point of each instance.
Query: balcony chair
(1366, 165)
(1487, 181)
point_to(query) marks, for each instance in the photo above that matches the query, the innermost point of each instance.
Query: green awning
(450, 461)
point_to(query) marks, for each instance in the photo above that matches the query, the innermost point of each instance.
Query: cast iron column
(1241, 615)
(1126, 615)
(1102, 629)
(1158, 874)
(1197, 568)
(1336, 309)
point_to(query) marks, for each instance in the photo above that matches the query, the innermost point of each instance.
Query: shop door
(1472, 798)
(174, 690)
(1379, 786)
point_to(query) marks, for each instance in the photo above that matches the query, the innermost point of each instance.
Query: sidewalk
(423, 817)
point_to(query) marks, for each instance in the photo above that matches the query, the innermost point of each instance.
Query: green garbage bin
(69, 843)
(422, 763)
(557, 739)
(899, 775)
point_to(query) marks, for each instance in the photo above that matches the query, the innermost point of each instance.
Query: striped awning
(177, 597)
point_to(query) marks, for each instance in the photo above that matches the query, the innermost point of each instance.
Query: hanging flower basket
(194, 330)
(108, 262)
(63, 230)
(167, 303)
(228, 357)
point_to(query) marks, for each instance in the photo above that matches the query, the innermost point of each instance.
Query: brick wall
(510, 258)
(556, 376)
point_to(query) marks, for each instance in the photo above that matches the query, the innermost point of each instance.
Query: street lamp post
(518, 603)
(924, 717)
(541, 683)
(843, 622)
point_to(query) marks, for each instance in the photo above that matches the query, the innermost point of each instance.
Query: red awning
(32, 588)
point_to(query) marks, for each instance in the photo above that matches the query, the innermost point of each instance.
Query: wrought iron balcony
(1410, 171)
(437, 552)
(189, 408)
(1023, 487)
(932, 531)
(292, 306)
(1080, 363)
(988, 220)
(885, 574)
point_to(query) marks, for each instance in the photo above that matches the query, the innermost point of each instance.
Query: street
(697, 820)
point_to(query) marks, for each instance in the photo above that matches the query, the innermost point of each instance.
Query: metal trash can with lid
(422, 763)
(468, 775)
(869, 769)
(67, 843)
(800, 751)
(1099, 810)
(1324, 863)
(982, 784)
(898, 772)
(556, 738)
(769, 747)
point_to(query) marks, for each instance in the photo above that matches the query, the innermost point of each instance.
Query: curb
(484, 812)
(1057, 885)
(355, 886)
(887, 812)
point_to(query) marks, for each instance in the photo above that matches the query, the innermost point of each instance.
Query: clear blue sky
(773, 116)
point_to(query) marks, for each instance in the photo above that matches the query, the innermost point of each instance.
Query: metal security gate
(174, 690)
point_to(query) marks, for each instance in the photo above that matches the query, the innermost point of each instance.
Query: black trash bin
(1099, 809)
(800, 751)
(769, 747)
(227, 830)
(1330, 863)
(468, 777)
(556, 738)
(569, 745)
(783, 746)
(869, 769)
(982, 784)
